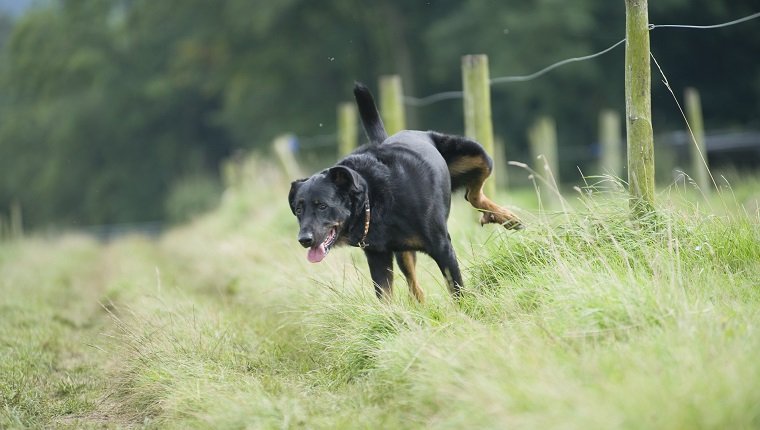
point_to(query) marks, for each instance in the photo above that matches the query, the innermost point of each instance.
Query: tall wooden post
(348, 129)
(477, 107)
(698, 151)
(543, 147)
(283, 149)
(500, 162)
(638, 108)
(610, 143)
(16, 221)
(3, 233)
(392, 104)
(232, 170)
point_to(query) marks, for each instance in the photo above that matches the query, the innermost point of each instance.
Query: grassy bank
(584, 320)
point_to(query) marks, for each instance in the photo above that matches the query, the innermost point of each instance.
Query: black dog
(392, 196)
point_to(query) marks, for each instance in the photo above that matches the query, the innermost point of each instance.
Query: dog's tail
(369, 114)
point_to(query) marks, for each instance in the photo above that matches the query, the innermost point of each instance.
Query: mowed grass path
(584, 320)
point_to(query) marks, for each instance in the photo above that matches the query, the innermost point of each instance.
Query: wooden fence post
(638, 108)
(232, 170)
(500, 162)
(392, 104)
(610, 143)
(477, 107)
(283, 149)
(348, 129)
(697, 149)
(543, 147)
(16, 221)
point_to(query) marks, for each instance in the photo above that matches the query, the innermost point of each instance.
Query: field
(584, 320)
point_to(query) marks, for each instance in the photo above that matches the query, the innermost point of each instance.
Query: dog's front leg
(381, 270)
(447, 262)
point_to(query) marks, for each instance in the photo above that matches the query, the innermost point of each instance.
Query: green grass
(584, 320)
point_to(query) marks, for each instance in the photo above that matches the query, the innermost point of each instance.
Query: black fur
(406, 180)
(373, 124)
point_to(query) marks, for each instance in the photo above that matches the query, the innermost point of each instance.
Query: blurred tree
(105, 105)
(723, 64)
(6, 25)
(523, 37)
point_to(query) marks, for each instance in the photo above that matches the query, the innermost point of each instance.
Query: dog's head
(325, 204)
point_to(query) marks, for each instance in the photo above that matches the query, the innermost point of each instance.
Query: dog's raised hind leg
(469, 166)
(473, 172)
(492, 212)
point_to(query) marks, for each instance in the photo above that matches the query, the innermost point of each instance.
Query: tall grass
(584, 320)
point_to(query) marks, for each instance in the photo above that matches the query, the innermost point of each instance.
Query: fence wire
(448, 95)
(452, 95)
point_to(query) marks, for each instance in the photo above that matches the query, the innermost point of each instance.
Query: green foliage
(192, 196)
(583, 320)
(44, 313)
(104, 104)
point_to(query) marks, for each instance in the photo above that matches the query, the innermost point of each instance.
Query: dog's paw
(504, 218)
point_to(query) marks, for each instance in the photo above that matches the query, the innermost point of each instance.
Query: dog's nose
(306, 240)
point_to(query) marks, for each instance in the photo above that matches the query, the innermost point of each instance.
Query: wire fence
(106, 233)
(448, 95)
(324, 140)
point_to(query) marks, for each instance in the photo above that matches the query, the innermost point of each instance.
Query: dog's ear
(346, 179)
(292, 194)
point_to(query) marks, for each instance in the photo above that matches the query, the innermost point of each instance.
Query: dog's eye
(322, 206)
(299, 211)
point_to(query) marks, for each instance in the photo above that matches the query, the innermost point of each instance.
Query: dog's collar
(363, 242)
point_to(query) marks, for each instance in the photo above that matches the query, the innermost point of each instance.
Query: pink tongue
(316, 253)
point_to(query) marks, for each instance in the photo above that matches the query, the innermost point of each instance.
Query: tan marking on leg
(450, 281)
(414, 242)
(388, 291)
(468, 163)
(410, 261)
(492, 212)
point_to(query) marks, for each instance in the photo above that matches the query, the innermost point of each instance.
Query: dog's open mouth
(318, 252)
